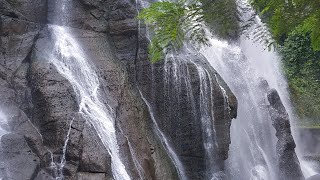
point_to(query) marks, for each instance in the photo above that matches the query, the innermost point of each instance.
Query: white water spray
(207, 118)
(243, 67)
(307, 169)
(3, 123)
(70, 61)
(252, 151)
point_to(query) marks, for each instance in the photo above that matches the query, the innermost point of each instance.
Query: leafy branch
(172, 24)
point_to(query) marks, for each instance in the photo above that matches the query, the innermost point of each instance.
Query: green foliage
(172, 24)
(302, 67)
(222, 17)
(295, 25)
(284, 17)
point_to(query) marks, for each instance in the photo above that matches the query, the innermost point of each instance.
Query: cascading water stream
(3, 131)
(252, 152)
(70, 61)
(3, 123)
(176, 72)
(170, 151)
(173, 156)
(64, 150)
(245, 68)
(207, 119)
(268, 63)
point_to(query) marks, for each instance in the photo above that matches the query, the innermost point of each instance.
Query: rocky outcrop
(173, 87)
(42, 107)
(289, 166)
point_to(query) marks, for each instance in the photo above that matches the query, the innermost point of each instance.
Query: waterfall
(3, 124)
(70, 61)
(252, 151)
(206, 101)
(3, 131)
(250, 70)
(177, 77)
(173, 156)
(63, 159)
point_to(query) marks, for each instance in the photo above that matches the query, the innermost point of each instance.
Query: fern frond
(173, 23)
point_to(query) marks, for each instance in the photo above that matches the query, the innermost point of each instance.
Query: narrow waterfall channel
(72, 64)
(173, 156)
(3, 124)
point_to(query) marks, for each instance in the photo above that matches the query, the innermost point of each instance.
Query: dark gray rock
(89, 15)
(20, 162)
(289, 166)
(32, 11)
(41, 103)
(17, 40)
(175, 98)
(94, 158)
(92, 176)
(43, 175)
(54, 103)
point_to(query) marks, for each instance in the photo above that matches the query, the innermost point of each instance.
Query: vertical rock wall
(40, 104)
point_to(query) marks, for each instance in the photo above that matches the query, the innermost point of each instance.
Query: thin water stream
(171, 153)
(3, 124)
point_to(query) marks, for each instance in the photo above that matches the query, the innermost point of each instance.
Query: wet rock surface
(289, 165)
(173, 89)
(40, 104)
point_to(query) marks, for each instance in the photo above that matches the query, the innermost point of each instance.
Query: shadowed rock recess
(41, 107)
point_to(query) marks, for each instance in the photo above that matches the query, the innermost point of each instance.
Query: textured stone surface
(174, 95)
(40, 103)
(289, 165)
(94, 156)
(19, 161)
(92, 176)
(32, 11)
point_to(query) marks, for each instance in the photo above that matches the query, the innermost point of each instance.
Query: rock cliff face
(42, 109)
(289, 166)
